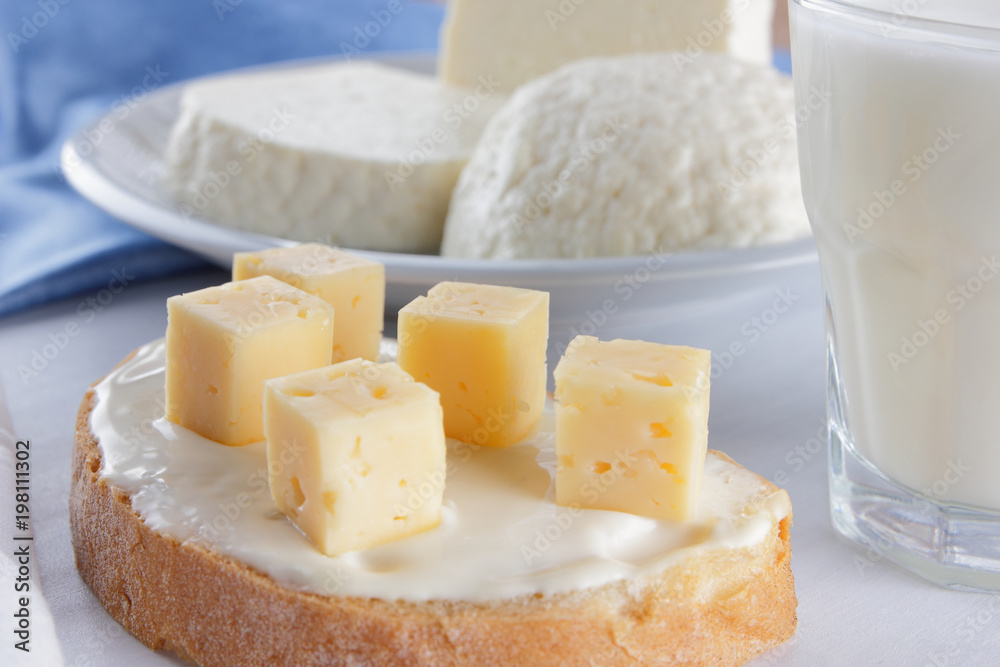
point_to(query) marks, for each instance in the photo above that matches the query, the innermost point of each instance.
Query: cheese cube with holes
(356, 454)
(482, 347)
(632, 426)
(353, 285)
(224, 341)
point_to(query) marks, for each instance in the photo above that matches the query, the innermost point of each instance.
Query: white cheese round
(631, 155)
(354, 154)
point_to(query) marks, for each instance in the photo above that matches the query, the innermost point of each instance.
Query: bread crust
(722, 609)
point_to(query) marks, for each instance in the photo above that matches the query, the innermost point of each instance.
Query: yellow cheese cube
(356, 454)
(224, 341)
(353, 285)
(632, 426)
(482, 347)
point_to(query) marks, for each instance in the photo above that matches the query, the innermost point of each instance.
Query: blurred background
(66, 62)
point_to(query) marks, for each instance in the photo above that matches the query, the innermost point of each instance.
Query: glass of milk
(900, 159)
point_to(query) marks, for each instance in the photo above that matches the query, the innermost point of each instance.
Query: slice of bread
(722, 608)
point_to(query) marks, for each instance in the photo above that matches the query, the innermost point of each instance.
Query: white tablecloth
(767, 412)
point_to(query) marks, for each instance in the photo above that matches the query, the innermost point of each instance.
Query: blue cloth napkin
(63, 63)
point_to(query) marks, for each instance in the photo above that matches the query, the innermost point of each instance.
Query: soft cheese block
(632, 426)
(356, 454)
(482, 347)
(223, 342)
(517, 40)
(356, 154)
(353, 285)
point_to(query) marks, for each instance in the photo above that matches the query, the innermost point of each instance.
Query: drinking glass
(899, 141)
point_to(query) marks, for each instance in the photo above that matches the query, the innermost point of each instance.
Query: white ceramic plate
(120, 173)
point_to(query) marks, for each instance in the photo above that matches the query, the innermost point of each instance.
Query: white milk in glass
(901, 174)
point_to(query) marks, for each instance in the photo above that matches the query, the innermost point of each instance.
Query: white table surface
(854, 609)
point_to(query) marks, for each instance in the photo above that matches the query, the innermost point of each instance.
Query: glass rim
(900, 24)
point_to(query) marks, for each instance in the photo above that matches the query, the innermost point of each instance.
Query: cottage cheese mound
(354, 154)
(631, 155)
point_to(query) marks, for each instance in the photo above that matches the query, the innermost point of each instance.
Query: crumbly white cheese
(354, 154)
(518, 40)
(631, 155)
